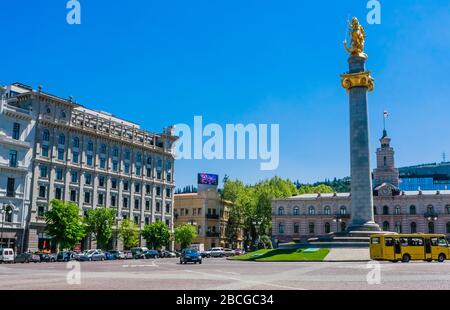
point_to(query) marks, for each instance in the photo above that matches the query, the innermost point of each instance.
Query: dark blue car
(190, 256)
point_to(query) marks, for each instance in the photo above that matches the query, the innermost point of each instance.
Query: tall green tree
(156, 234)
(64, 224)
(99, 222)
(185, 234)
(129, 233)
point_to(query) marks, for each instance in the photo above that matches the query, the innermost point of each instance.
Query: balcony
(13, 169)
(212, 216)
(15, 111)
(343, 216)
(431, 215)
(212, 234)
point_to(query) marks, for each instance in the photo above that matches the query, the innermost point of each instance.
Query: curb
(304, 261)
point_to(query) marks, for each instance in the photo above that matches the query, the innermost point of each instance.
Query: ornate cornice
(360, 79)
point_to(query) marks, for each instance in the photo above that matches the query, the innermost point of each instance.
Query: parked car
(7, 255)
(238, 252)
(109, 256)
(228, 252)
(77, 254)
(217, 252)
(190, 256)
(147, 254)
(167, 254)
(206, 253)
(48, 258)
(128, 254)
(117, 254)
(27, 258)
(138, 250)
(177, 253)
(92, 255)
(65, 256)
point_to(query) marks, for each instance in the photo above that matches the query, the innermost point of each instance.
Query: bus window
(375, 240)
(442, 242)
(404, 241)
(415, 241)
(434, 241)
(389, 241)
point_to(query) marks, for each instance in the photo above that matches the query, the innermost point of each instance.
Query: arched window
(311, 228)
(281, 228)
(343, 226)
(343, 210)
(327, 210)
(431, 227)
(45, 135)
(103, 149)
(375, 212)
(138, 158)
(385, 161)
(62, 139)
(127, 154)
(412, 210)
(115, 152)
(90, 146)
(296, 211)
(327, 228)
(398, 227)
(280, 211)
(385, 210)
(311, 210)
(149, 161)
(448, 228)
(430, 209)
(413, 228)
(386, 226)
(397, 210)
(447, 209)
(296, 228)
(76, 142)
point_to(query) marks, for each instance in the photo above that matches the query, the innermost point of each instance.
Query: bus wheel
(441, 258)
(406, 258)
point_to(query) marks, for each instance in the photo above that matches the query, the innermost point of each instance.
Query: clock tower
(385, 171)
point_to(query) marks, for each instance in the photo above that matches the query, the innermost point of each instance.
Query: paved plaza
(222, 274)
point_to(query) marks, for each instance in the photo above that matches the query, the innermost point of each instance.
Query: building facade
(17, 132)
(307, 216)
(96, 160)
(425, 177)
(208, 212)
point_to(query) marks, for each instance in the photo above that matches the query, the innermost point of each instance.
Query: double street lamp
(5, 210)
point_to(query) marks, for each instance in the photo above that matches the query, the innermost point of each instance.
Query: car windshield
(90, 252)
(190, 251)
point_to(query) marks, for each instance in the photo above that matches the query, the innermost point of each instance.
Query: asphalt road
(220, 274)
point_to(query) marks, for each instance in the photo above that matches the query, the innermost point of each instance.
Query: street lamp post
(338, 221)
(4, 211)
(257, 224)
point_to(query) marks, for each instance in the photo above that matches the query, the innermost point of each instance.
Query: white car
(217, 252)
(229, 252)
(7, 255)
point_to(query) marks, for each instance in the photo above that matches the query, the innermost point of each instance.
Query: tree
(64, 224)
(185, 234)
(129, 233)
(265, 242)
(99, 222)
(156, 234)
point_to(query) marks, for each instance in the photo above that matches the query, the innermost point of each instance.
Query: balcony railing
(431, 214)
(212, 234)
(212, 216)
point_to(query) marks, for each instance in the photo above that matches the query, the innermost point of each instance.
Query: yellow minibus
(406, 247)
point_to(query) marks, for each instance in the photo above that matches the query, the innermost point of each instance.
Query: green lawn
(286, 255)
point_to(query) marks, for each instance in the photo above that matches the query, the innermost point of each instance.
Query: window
(149, 161)
(386, 226)
(136, 204)
(89, 160)
(13, 158)
(412, 210)
(149, 172)
(41, 211)
(125, 185)
(280, 211)
(168, 208)
(158, 207)
(58, 193)
(88, 179)
(311, 228)
(385, 161)
(147, 205)
(343, 226)
(137, 187)
(43, 171)
(87, 197)
(113, 200)
(76, 142)
(75, 157)
(115, 166)
(296, 211)
(147, 189)
(90, 146)
(448, 227)
(327, 228)
(113, 183)
(158, 191)
(147, 220)
(115, 152)
(125, 202)
(73, 195)
(59, 174)
(102, 163)
(16, 131)
(136, 219)
(61, 139)
(103, 149)
(375, 240)
(296, 228)
(138, 170)
(413, 227)
(10, 188)
(430, 209)
(101, 181)
(168, 192)
(100, 199)
(447, 209)
(385, 210)
(126, 168)
(127, 154)
(398, 227)
(45, 135)
(44, 151)
(42, 191)
(311, 211)
(60, 154)
(431, 227)
(397, 210)
(375, 211)
(74, 177)
(388, 241)
(343, 210)
(281, 228)
(327, 210)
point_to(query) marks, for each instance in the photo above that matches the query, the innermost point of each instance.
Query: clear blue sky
(162, 62)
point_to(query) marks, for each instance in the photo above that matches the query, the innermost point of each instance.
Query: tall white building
(17, 132)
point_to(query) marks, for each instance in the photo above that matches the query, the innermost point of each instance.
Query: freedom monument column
(358, 82)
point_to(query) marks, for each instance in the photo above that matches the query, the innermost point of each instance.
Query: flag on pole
(386, 114)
